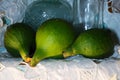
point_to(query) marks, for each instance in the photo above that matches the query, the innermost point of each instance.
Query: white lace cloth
(74, 68)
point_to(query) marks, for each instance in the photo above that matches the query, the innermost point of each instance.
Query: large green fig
(52, 38)
(19, 40)
(93, 43)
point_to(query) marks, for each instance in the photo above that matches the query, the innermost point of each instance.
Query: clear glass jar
(42, 10)
(87, 14)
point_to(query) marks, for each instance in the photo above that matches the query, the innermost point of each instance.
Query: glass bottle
(87, 14)
(42, 10)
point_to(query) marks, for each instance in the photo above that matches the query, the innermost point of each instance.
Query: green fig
(19, 40)
(52, 38)
(93, 43)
